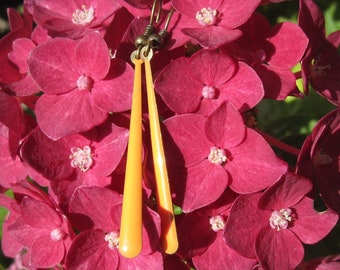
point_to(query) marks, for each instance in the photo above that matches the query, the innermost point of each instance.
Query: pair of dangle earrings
(130, 238)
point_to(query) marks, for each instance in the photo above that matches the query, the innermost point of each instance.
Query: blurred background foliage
(289, 121)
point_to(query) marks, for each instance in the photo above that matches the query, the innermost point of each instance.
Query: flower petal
(278, 250)
(91, 56)
(74, 112)
(51, 67)
(244, 90)
(220, 256)
(48, 157)
(237, 12)
(187, 132)
(89, 250)
(114, 93)
(46, 253)
(91, 208)
(39, 214)
(286, 192)
(253, 165)
(212, 36)
(179, 90)
(245, 219)
(311, 226)
(211, 67)
(279, 46)
(205, 183)
(194, 234)
(225, 126)
(277, 83)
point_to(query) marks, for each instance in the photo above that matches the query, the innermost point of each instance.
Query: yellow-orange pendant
(130, 236)
(165, 207)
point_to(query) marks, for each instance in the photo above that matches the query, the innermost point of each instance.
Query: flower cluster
(66, 83)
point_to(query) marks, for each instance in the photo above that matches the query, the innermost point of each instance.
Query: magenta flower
(41, 228)
(319, 159)
(213, 23)
(209, 78)
(96, 213)
(81, 87)
(12, 169)
(9, 247)
(201, 237)
(219, 151)
(15, 48)
(73, 19)
(270, 53)
(21, 27)
(92, 155)
(321, 63)
(11, 114)
(21, 49)
(43, 231)
(276, 222)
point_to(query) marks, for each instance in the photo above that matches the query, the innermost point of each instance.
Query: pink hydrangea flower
(41, 228)
(321, 63)
(12, 169)
(13, 57)
(76, 160)
(209, 78)
(80, 83)
(18, 56)
(9, 246)
(96, 212)
(98, 151)
(270, 53)
(213, 23)
(319, 158)
(73, 18)
(218, 151)
(21, 27)
(276, 223)
(201, 237)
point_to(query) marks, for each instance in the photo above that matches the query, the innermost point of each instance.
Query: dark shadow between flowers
(176, 169)
(151, 229)
(81, 222)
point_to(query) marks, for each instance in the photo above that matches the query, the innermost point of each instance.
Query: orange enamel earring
(130, 240)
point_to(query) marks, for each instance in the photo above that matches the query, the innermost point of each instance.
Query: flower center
(209, 92)
(84, 83)
(279, 219)
(83, 16)
(58, 234)
(217, 156)
(206, 16)
(113, 240)
(217, 223)
(81, 158)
